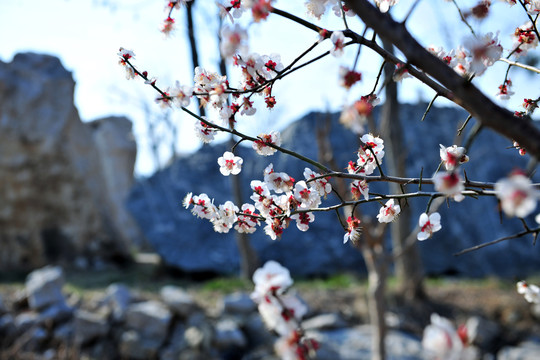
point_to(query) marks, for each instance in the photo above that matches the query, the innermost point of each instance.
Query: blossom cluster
(282, 311)
(317, 8)
(473, 57)
(277, 200)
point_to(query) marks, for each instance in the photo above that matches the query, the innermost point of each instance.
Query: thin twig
(429, 106)
(514, 236)
(460, 130)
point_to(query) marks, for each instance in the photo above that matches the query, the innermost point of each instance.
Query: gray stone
(355, 344)
(64, 333)
(63, 181)
(89, 326)
(177, 344)
(324, 322)
(7, 325)
(135, 346)
(118, 297)
(190, 244)
(194, 337)
(25, 321)
(227, 334)
(44, 287)
(525, 351)
(56, 313)
(178, 300)
(238, 303)
(149, 318)
(32, 339)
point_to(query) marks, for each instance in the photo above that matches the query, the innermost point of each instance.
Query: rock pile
(64, 182)
(45, 323)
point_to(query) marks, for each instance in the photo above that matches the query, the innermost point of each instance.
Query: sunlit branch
(523, 66)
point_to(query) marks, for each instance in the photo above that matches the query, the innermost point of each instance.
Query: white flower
(452, 156)
(246, 223)
(279, 182)
(517, 195)
(230, 164)
(225, 217)
(428, 225)
(188, 200)
(303, 220)
(384, 5)
(233, 40)
(322, 185)
(366, 161)
(388, 212)
(450, 184)
(273, 228)
(203, 207)
(534, 8)
(271, 278)
(272, 310)
(338, 39)
(353, 230)
(125, 54)
(442, 340)
(529, 291)
(307, 197)
(181, 94)
(485, 50)
(261, 145)
(360, 187)
(316, 8)
(204, 131)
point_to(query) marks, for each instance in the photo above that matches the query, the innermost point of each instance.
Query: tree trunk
(372, 247)
(408, 266)
(375, 262)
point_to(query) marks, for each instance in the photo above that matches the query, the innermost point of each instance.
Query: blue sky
(86, 35)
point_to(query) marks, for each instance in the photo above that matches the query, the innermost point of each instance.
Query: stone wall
(60, 200)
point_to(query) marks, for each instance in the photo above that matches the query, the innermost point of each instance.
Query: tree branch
(463, 93)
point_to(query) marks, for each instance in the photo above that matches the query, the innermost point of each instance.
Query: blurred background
(93, 173)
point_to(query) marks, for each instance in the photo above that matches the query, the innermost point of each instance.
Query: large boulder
(190, 244)
(60, 200)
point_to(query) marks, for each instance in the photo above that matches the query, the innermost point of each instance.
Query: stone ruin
(64, 182)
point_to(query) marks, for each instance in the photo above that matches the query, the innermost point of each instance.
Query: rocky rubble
(44, 322)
